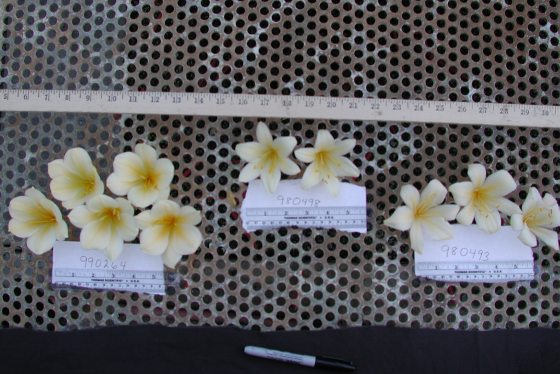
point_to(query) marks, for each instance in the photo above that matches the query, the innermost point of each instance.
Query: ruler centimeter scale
(347, 217)
(472, 271)
(279, 106)
(131, 280)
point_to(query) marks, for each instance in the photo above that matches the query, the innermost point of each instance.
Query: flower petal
(61, 230)
(80, 216)
(549, 237)
(165, 171)
(142, 197)
(171, 258)
(63, 189)
(22, 208)
(289, 167)
(410, 195)
(185, 239)
(98, 203)
(251, 151)
(263, 134)
(147, 154)
(333, 184)
(416, 238)
(437, 228)
(306, 155)
(447, 211)
(533, 198)
(311, 176)
(516, 222)
(433, 194)
(118, 185)
(190, 215)
(127, 229)
(343, 147)
(56, 168)
(164, 208)
(462, 192)
(550, 202)
(345, 168)
(144, 219)
(466, 215)
(124, 205)
(285, 145)
(96, 235)
(42, 240)
(489, 222)
(77, 160)
(477, 174)
(500, 183)
(527, 237)
(163, 194)
(249, 172)
(508, 207)
(270, 179)
(128, 166)
(154, 240)
(324, 140)
(22, 229)
(401, 219)
(114, 248)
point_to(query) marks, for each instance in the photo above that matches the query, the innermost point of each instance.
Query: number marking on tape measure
(476, 271)
(278, 106)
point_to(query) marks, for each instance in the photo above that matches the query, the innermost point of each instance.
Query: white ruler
(133, 271)
(276, 106)
(498, 271)
(342, 218)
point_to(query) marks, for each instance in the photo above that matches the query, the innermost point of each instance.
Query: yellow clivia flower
(267, 158)
(483, 198)
(106, 223)
(327, 162)
(141, 176)
(424, 212)
(38, 219)
(169, 230)
(74, 178)
(537, 219)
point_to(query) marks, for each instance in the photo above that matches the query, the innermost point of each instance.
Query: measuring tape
(477, 271)
(133, 280)
(343, 218)
(277, 106)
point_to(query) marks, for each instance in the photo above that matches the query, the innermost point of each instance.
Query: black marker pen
(305, 360)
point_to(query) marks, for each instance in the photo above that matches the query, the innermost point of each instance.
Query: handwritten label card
(132, 271)
(475, 256)
(291, 205)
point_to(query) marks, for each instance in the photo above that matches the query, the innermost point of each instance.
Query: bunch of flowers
(268, 158)
(482, 200)
(166, 230)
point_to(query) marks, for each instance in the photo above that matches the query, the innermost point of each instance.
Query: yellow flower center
(113, 214)
(420, 211)
(44, 217)
(150, 179)
(322, 158)
(537, 216)
(481, 199)
(89, 185)
(169, 221)
(270, 159)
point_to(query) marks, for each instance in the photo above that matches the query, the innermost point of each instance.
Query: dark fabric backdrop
(378, 350)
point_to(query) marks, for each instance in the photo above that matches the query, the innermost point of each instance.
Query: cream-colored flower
(424, 212)
(267, 158)
(141, 176)
(483, 198)
(169, 230)
(538, 218)
(38, 219)
(105, 224)
(327, 163)
(74, 178)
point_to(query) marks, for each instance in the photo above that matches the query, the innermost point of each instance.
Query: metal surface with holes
(283, 279)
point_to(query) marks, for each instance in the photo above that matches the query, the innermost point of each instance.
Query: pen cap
(334, 363)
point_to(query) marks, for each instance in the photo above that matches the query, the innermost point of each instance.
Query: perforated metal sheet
(285, 279)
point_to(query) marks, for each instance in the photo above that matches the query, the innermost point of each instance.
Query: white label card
(475, 256)
(291, 205)
(134, 270)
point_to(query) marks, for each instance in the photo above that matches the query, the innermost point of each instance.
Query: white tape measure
(277, 106)
(494, 271)
(133, 280)
(343, 218)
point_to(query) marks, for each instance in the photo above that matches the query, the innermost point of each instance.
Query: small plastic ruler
(278, 106)
(347, 217)
(477, 271)
(138, 281)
